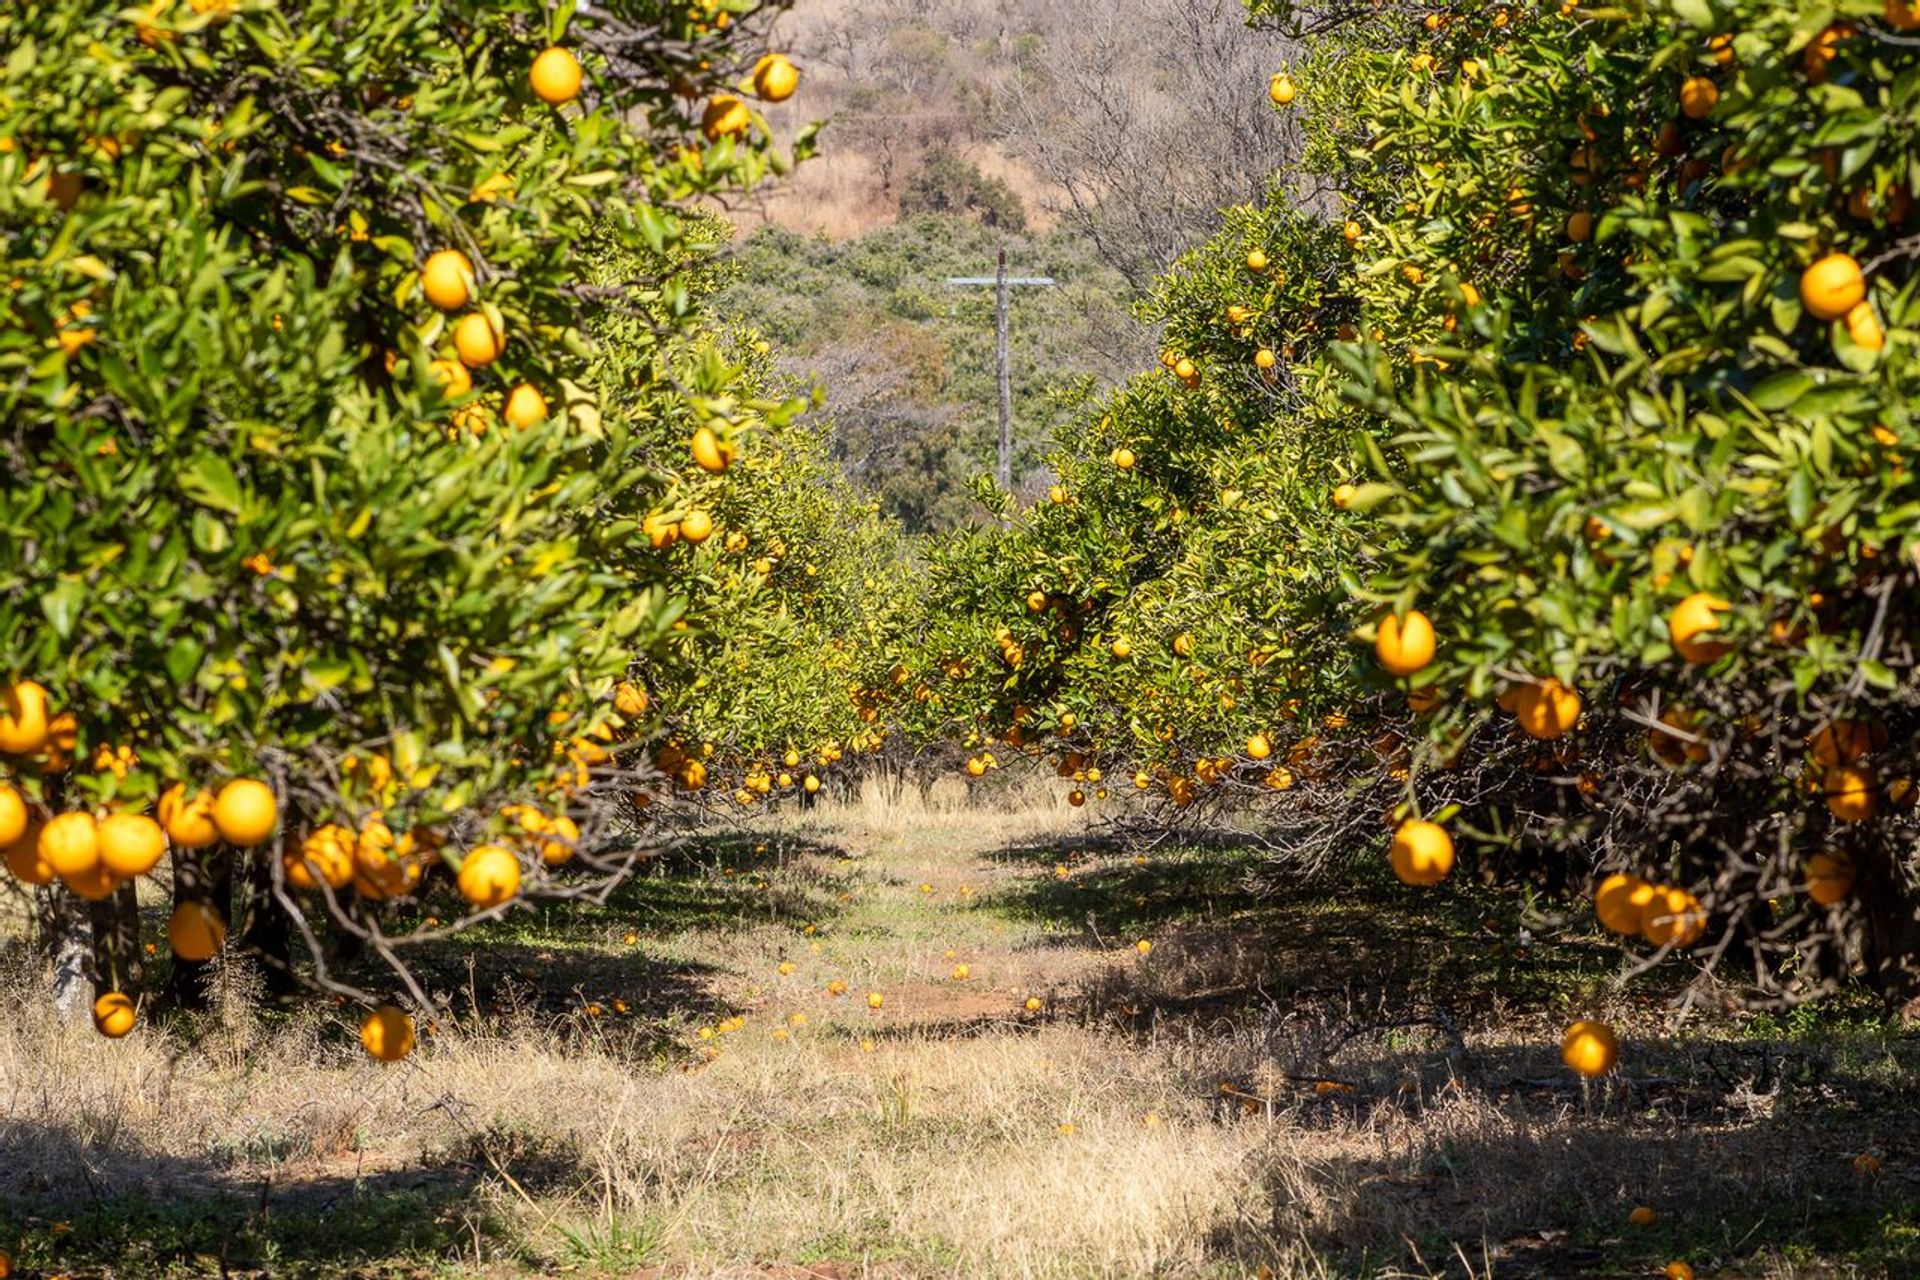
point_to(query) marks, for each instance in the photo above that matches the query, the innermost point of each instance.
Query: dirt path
(927, 915)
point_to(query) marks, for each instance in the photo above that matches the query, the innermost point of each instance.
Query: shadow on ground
(153, 1215)
(1404, 1046)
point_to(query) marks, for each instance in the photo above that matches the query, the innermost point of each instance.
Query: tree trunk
(116, 942)
(199, 875)
(1890, 934)
(63, 925)
(268, 939)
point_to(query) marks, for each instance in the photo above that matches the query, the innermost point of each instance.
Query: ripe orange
(1422, 852)
(1643, 1216)
(478, 340)
(1614, 904)
(1580, 226)
(387, 1034)
(1841, 742)
(1281, 89)
(447, 279)
(452, 378)
(1404, 645)
(23, 857)
(525, 406)
(195, 931)
(1832, 286)
(1121, 649)
(1673, 917)
(710, 453)
(1259, 746)
(1256, 261)
(113, 1015)
(1123, 458)
(875, 999)
(1817, 56)
(1864, 327)
(1852, 792)
(70, 845)
(23, 719)
(326, 855)
(775, 78)
(1693, 618)
(1343, 496)
(13, 814)
(1678, 1271)
(725, 117)
(1829, 878)
(245, 812)
(1698, 97)
(188, 819)
(696, 527)
(131, 844)
(1547, 710)
(562, 842)
(1901, 15)
(630, 699)
(94, 885)
(555, 76)
(490, 875)
(1590, 1048)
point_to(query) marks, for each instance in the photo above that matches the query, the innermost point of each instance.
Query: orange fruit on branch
(131, 844)
(1590, 1048)
(245, 812)
(1421, 853)
(1829, 878)
(1693, 618)
(113, 1015)
(1404, 644)
(24, 725)
(555, 76)
(195, 931)
(775, 78)
(490, 875)
(447, 279)
(188, 819)
(1833, 286)
(70, 845)
(387, 1034)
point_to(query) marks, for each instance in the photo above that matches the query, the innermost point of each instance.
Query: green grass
(381, 1227)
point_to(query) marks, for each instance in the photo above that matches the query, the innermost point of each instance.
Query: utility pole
(1003, 286)
(1000, 335)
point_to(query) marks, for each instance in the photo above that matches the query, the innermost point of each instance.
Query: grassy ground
(1337, 1080)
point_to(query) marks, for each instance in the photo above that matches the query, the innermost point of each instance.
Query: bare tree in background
(1145, 139)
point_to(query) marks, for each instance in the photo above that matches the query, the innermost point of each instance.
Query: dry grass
(1163, 1116)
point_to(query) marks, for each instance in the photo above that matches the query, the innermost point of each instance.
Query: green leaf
(209, 481)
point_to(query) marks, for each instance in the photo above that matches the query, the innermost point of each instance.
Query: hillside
(1094, 145)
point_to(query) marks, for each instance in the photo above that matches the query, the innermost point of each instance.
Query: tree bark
(117, 958)
(63, 925)
(268, 939)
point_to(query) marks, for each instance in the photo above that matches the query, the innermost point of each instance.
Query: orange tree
(322, 543)
(1170, 620)
(1645, 362)
(778, 676)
